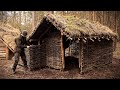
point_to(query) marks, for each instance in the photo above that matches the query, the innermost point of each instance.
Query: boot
(13, 70)
(25, 68)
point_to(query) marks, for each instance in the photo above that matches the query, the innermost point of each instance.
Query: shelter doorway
(72, 57)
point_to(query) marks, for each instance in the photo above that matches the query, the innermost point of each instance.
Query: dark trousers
(16, 57)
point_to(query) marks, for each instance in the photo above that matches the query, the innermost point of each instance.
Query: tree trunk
(20, 20)
(33, 20)
(3, 16)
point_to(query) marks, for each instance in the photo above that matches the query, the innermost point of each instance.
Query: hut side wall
(97, 54)
(52, 44)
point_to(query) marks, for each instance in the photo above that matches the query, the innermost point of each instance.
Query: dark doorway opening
(71, 63)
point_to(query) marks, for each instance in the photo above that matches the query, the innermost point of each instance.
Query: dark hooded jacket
(21, 43)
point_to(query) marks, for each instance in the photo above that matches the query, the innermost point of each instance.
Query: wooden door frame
(80, 57)
(62, 53)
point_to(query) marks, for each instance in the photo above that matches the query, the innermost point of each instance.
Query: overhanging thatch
(73, 27)
(8, 35)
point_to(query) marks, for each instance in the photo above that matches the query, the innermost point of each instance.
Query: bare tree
(3, 16)
(33, 20)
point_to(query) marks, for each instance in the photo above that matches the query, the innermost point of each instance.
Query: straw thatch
(73, 27)
(8, 35)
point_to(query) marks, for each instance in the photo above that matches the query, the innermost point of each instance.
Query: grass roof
(74, 27)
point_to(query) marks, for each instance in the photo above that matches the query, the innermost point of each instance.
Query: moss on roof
(75, 27)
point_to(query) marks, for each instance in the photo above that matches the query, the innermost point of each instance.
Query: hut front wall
(52, 49)
(97, 54)
(48, 53)
(33, 57)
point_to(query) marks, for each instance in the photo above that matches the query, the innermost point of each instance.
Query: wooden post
(62, 52)
(79, 54)
(115, 41)
(33, 20)
(80, 57)
(7, 53)
(38, 42)
(69, 48)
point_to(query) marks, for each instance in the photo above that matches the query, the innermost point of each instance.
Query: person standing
(21, 43)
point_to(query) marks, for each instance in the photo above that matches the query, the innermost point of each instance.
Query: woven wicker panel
(33, 57)
(53, 50)
(97, 54)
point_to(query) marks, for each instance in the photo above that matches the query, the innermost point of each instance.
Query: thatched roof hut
(55, 33)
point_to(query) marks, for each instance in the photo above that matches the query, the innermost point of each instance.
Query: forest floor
(111, 71)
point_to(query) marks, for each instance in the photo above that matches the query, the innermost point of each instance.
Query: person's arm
(18, 43)
(27, 42)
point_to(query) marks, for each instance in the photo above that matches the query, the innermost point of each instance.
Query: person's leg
(23, 57)
(16, 58)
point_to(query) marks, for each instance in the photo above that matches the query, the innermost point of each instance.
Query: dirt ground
(111, 71)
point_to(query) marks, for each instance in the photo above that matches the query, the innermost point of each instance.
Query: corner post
(62, 53)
